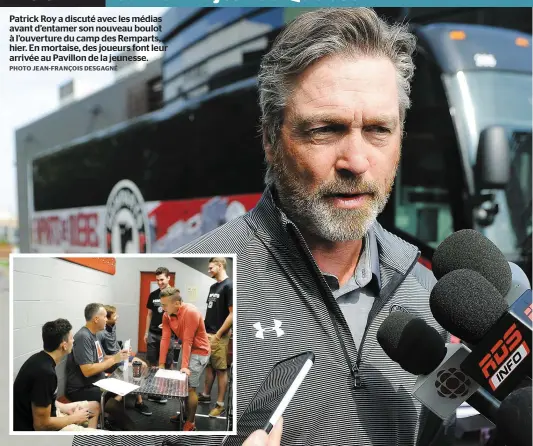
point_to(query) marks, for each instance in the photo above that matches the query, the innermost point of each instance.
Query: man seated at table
(187, 323)
(108, 339)
(87, 363)
(35, 390)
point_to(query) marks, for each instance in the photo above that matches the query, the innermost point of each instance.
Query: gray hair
(321, 33)
(91, 310)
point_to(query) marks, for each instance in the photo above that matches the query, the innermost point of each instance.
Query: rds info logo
(504, 356)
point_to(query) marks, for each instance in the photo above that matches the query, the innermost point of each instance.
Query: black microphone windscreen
(411, 342)
(466, 304)
(468, 249)
(514, 417)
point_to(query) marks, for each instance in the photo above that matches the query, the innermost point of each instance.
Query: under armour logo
(261, 331)
(396, 307)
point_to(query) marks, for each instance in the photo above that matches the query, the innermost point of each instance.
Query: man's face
(340, 146)
(101, 318)
(213, 269)
(169, 306)
(69, 343)
(162, 281)
(112, 320)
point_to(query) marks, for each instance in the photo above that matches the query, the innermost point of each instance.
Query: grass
(4, 263)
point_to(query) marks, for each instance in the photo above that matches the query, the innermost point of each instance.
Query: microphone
(519, 296)
(519, 276)
(441, 386)
(469, 249)
(470, 307)
(513, 419)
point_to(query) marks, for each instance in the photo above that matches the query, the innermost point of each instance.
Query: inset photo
(129, 343)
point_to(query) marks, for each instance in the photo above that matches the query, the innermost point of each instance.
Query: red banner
(103, 264)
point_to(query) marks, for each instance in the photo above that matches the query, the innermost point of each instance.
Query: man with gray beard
(316, 271)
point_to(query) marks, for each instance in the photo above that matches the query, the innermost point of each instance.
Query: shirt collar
(370, 245)
(361, 277)
(178, 313)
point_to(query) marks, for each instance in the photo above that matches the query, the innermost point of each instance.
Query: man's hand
(81, 415)
(217, 336)
(122, 355)
(261, 438)
(146, 338)
(186, 371)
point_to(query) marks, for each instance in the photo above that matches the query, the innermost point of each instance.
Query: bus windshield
(483, 98)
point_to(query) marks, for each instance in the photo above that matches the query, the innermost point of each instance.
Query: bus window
(211, 149)
(518, 190)
(424, 189)
(422, 200)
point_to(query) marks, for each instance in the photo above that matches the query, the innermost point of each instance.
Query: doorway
(148, 284)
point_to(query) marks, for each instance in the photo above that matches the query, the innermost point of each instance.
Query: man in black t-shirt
(218, 322)
(154, 321)
(35, 388)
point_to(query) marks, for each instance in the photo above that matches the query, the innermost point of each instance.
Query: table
(152, 385)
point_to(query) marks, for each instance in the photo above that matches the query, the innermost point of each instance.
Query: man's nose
(352, 155)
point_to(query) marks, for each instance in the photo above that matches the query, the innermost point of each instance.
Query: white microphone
(519, 285)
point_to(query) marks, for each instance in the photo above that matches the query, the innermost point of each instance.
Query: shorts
(153, 347)
(197, 364)
(91, 393)
(219, 351)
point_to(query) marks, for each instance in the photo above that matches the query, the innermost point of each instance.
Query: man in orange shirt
(187, 323)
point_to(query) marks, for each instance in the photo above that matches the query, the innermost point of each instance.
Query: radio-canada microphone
(411, 342)
(441, 386)
(514, 418)
(471, 308)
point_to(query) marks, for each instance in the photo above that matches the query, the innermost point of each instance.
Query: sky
(27, 96)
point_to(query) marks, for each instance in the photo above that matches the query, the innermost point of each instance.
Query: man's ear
(268, 148)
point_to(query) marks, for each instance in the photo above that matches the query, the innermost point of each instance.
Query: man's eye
(320, 130)
(378, 129)
(325, 130)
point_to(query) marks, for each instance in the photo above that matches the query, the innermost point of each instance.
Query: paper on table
(171, 374)
(116, 386)
(126, 347)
